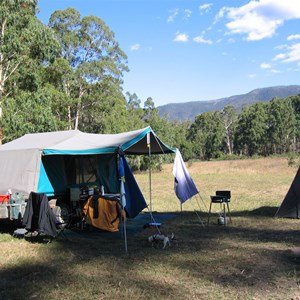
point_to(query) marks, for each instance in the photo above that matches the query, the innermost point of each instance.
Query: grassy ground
(250, 258)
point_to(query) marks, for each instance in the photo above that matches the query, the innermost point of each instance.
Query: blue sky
(191, 50)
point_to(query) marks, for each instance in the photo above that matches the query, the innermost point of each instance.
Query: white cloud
(259, 19)
(292, 54)
(251, 75)
(135, 47)
(293, 37)
(205, 8)
(265, 66)
(279, 56)
(231, 41)
(200, 39)
(279, 47)
(275, 71)
(187, 14)
(173, 15)
(181, 37)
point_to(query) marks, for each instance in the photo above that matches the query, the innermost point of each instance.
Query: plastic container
(17, 206)
(222, 220)
(4, 198)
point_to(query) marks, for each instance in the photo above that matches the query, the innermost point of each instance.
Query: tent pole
(150, 179)
(125, 233)
(200, 208)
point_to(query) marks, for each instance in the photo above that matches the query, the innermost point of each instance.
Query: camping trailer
(71, 165)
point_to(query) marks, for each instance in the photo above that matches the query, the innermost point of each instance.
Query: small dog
(155, 238)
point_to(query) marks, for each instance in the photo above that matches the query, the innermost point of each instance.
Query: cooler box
(4, 198)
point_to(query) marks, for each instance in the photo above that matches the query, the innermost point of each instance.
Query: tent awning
(77, 142)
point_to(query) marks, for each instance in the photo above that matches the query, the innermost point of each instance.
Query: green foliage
(250, 135)
(27, 113)
(207, 134)
(281, 124)
(293, 159)
(94, 74)
(229, 118)
(25, 43)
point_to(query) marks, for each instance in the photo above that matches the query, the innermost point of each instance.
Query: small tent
(52, 162)
(290, 206)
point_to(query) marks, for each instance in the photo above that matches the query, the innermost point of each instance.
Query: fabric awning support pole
(123, 198)
(150, 179)
(125, 232)
(200, 208)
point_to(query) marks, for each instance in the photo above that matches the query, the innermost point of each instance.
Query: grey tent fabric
(77, 142)
(21, 160)
(290, 206)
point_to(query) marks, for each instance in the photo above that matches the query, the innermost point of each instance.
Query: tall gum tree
(23, 40)
(13, 16)
(94, 55)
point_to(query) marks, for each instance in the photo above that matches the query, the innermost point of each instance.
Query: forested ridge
(185, 111)
(68, 75)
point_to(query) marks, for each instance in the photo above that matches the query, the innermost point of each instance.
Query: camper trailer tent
(55, 162)
(290, 206)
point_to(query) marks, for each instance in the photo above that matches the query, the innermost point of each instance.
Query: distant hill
(189, 110)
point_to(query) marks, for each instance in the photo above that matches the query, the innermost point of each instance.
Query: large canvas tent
(51, 162)
(290, 206)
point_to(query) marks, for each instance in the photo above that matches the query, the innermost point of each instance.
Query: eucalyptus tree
(206, 134)
(229, 120)
(25, 47)
(95, 59)
(15, 21)
(160, 125)
(281, 125)
(295, 101)
(185, 145)
(135, 113)
(251, 130)
(29, 112)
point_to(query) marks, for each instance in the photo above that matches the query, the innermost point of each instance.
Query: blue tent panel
(135, 201)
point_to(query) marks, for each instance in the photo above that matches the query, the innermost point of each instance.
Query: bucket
(222, 220)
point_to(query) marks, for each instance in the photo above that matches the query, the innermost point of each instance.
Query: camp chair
(60, 224)
(222, 198)
(39, 219)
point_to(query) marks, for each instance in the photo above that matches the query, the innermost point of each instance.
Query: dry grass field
(251, 258)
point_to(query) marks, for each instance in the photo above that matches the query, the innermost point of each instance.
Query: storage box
(3, 211)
